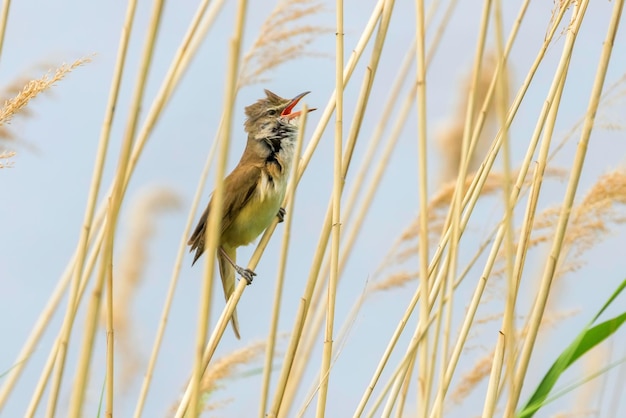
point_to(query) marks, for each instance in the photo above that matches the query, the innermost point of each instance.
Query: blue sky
(44, 193)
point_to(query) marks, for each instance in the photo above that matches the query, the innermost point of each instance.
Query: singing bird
(255, 189)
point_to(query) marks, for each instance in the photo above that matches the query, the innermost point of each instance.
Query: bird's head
(263, 117)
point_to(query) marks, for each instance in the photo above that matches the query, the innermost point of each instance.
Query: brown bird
(255, 189)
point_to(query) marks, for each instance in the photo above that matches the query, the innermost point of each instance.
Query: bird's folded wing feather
(239, 187)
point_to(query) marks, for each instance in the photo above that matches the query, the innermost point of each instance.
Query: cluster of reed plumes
(477, 269)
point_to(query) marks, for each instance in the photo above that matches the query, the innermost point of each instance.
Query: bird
(255, 189)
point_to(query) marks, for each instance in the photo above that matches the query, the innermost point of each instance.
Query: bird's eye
(271, 112)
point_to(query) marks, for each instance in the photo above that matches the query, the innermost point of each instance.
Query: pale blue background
(44, 194)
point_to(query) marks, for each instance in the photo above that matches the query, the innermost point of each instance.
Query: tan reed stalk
(525, 233)
(115, 202)
(288, 360)
(579, 159)
(433, 296)
(381, 169)
(355, 127)
(410, 357)
(36, 332)
(215, 215)
(347, 156)
(491, 399)
(188, 49)
(402, 367)
(174, 280)
(356, 54)
(185, 52)
(469, 316)
(422, 165)
(347, 73)
(110, 339)
(174, 73)
(72, 305)
(473, 190)
(502, 100)
(47, 369)
(183, 56)
(405, 390)
(312, 327)
(222, 322)
(131, 128)
(3, 21)
(342, 339)
(327, 350)
(282, 264)
(224, 318)
(451, 268)
(306, 157)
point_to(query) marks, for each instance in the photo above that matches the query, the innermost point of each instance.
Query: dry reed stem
(228, 309)
(81, 252)
(557, 244)
(134, 257)
(338, 180)
(470, 201)
(35, 87)
(423, 388)
(3, 22)
(316, 137)
(271, 339)
(115, 200)
(312, 327)
(213, 222)
(282, 38)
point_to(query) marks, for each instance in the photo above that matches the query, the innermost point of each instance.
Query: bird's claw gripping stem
(246, 274)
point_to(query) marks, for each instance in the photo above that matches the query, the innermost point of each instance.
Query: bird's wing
(239, 187)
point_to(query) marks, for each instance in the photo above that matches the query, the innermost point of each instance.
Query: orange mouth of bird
(287, 112)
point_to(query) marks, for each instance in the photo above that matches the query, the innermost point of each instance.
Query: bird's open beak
(287, 112)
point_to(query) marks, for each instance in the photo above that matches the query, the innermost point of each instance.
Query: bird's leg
(245, 273)
(281, 215)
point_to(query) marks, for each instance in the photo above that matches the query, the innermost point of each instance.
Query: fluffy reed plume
(11, 90)
(6, 155)
(591, 221)
(393, 281)
(133, 259)
(224, 369)
(449, 137)
(283, 37)
(406, 248)
(35, 87)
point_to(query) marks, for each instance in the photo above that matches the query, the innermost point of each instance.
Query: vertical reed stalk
(572, 186)
(73, 301)
(282, 264)
(420, 53)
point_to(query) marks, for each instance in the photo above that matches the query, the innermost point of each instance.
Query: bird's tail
(227, 273)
